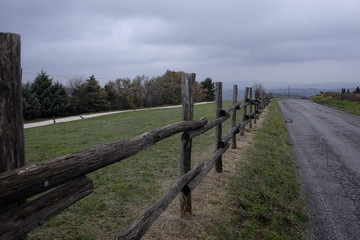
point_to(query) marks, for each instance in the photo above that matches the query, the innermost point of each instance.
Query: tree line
(345, 94)
(46, 98)
(357, 90)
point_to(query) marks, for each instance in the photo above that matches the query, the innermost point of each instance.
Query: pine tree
(31, 104)
(43, 98)
(93, 99)
(209, 86)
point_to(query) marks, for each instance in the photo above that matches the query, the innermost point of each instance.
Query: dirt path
(207, 199)
(85, 116)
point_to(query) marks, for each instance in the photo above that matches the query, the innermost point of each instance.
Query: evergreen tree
(43, 98)
(41, 89)
(60, 103)
(31, 104)
(94, 100)
(209, 86)
(111, 95)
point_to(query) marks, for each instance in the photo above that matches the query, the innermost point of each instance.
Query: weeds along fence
(63, 180)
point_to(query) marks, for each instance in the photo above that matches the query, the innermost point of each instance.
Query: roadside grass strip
(264, 197)
(343, 105)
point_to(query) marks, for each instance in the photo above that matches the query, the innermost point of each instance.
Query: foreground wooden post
(187, 83)
(251, 106)
(218, 129)
(245, 108)
(256, 106)
(12, 153)
(11, 118)
(235, 94)
(11, 112)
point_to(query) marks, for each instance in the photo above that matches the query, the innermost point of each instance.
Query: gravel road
(326, 143)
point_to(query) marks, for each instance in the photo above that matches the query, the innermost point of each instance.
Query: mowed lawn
(123, 190)
(262, 201)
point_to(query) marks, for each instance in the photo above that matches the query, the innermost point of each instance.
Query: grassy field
(123, 190)
(264, 199)
(126, 189)
(343, 105)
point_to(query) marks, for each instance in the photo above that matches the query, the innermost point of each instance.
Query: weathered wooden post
(256, 105)
(251, 106)
(218, 129)
(187, 83)
(235, 94)
(12, 153)
(11, 118)
(245, 109)
(11, 112)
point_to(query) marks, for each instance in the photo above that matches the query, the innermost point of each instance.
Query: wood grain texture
(207, 127)
(187, 92)
(251, 106)
(218, 128)
(246, 92)
(233, 116)
(234, 106)
(27, 181)
(11, 114)
(21, 220)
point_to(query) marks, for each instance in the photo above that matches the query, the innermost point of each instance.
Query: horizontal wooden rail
(254, 101)
(243, 124)
(21, 220)
(231, 108)
(194, 133)
(189, 181)
(208, 166)
(28, 181)
(192, 178)
(138, 228)
(227, 138)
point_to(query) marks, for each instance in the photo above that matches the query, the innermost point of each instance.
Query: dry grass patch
(207, 199)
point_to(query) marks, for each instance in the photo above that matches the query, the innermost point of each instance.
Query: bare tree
(259, 90)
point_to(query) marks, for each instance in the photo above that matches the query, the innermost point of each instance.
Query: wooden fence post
(218, 129)
(11, 118)
(187, 83)
(235, 94)
(11, 112)
(256, 106)
(12, 151)
(245, 108)
(251, 105)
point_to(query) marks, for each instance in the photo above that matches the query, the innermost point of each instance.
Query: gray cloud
(273, 41)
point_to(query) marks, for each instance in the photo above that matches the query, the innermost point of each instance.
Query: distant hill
(297, 92)
(294, 92)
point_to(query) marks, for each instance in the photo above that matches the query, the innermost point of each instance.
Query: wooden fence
(64, 180)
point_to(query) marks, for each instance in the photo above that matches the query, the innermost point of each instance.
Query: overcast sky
(273, 42)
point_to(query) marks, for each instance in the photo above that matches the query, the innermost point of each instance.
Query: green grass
(126, 189)
(123, 190)
(343, 105)
(264, 197)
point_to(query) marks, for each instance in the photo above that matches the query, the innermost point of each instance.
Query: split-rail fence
(66, 175)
